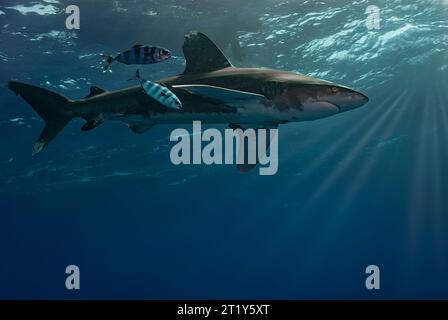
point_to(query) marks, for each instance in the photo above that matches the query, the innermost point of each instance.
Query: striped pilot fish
(158, 92)
(138, 54)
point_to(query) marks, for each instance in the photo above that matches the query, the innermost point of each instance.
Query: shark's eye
(334, 89)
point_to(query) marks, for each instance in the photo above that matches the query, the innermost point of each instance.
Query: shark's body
(211, 90)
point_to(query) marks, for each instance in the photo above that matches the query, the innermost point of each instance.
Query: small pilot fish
(138, 54)
(158, 92)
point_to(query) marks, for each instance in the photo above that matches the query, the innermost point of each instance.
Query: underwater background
(365, 187)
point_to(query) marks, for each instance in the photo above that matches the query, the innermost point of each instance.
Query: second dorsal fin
(94, 91)
(202, 55)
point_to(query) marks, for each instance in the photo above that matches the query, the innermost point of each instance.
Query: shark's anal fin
(139, 128)
(94, 91)
(202, 55)
(233, 98)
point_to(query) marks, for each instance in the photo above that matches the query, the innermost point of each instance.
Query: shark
(211, 90)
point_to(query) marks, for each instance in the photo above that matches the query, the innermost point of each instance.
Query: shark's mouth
(333, 104)
(322, 105)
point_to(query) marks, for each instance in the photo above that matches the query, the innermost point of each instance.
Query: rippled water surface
(360, 188)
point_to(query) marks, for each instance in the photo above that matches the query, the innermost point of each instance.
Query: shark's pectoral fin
(230, 97)
(243, 144)
(139, 128)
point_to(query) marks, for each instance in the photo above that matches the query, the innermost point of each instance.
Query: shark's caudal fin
(202, 55)
(53, 108)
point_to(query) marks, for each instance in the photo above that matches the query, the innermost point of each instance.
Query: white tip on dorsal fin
(230, 97)
(202, 55)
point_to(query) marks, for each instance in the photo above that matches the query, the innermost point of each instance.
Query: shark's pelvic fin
(232, 98)
(202, 55)
(92, 124)
(246, 166)
(94, 91)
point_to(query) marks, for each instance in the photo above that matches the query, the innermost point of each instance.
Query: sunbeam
(354, 151)
(338, 215)
(378, 116)
(439, 118)
(399, 107)
(418, 182)
(337, 141)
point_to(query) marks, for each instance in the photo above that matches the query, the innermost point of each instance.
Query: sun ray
(417, 205)
(440, 134)
(355, 150)
(369, 164)
(337, 218)
(336, 145)
(305, 210)
(341, 139)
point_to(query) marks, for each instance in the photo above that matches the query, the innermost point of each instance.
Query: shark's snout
(360, 98)
(365, 98)
(354, 100)
(326, 98)
(346, 99)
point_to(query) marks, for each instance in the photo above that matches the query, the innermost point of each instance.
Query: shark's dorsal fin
(202, 55)
(94, 91)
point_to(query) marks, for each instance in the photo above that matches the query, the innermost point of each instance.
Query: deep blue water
(364, 187)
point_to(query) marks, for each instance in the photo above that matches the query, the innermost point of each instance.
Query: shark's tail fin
(53, 108)
(107, 61)
(136, 76)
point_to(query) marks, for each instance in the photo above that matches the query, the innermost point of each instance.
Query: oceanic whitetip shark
(211, 90)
